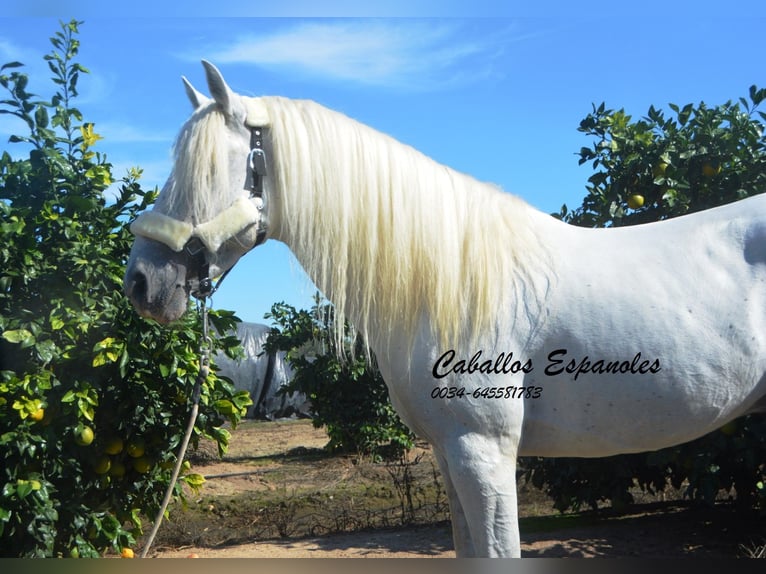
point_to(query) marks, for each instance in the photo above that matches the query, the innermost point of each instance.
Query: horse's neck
(390, 236)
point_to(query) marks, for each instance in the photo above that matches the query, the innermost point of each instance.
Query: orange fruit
(85, 436)
(142, 465)
(126, 553)
(114, 446)
(635, 201)
(38, 415)
(102, 465)
(710, 170)
(659, 169)
(136, 448)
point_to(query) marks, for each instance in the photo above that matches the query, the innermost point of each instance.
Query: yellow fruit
(117, 469)
(85, 436)
(710, 170)
(103, 464)
(635, 201)
(38, 415)
(136, 448)
(659, 169)
(126, 553)
(114, 446)
(142, 465)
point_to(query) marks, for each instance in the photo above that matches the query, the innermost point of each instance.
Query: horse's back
(643, 337)
(652, 335)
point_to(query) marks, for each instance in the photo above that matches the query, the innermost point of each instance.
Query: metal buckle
(194, 246)
(257, 161)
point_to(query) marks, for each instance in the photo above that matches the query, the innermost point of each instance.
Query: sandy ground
(667, 534)
(659, 530)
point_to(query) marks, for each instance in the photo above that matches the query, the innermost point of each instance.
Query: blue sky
(499, 98)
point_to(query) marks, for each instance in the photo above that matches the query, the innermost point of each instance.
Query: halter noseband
(207, 237)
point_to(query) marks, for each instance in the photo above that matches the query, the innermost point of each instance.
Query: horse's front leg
(483, 480)
(461, 533)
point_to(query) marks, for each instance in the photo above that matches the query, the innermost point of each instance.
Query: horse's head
(211, 210)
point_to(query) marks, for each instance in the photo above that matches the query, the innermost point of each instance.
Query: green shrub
(347, 393)
(93, 399)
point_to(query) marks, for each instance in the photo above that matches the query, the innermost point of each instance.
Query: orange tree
(654, 168)
(93, 399)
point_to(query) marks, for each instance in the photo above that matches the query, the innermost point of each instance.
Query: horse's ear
(196, 98)
(221, 93)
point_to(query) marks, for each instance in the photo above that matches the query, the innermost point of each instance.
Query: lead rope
(204, 371)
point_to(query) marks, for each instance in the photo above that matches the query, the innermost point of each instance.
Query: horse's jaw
(157, 288)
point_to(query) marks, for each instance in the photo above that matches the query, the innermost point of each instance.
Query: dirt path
(669, 533)
(426, 542)
(652, 530)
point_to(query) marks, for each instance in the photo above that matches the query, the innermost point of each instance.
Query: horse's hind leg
(483, 483)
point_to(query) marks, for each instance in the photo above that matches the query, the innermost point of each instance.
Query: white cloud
(412, 54)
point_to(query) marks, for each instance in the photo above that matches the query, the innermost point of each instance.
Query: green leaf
(195, 481)
(225, 407)
(26, 487)
(123, 365)
(41, 117)
(19, 336)
(46, 351)
(685, 113)
(104, 344)
(10, 65)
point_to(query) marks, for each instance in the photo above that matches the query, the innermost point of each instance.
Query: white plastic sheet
(262, 375)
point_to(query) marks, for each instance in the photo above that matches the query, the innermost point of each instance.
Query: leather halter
(256, 172)
(200, 240)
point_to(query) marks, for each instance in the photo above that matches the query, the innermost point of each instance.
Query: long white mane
(389, 235)
(200, 169)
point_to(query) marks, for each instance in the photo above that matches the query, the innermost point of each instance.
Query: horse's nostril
(135, 287)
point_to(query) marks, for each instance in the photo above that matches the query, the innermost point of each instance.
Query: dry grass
(277, 482)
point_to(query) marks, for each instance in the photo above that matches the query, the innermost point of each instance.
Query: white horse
(499, 330)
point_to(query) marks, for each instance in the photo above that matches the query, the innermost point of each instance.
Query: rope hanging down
(204, 371)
